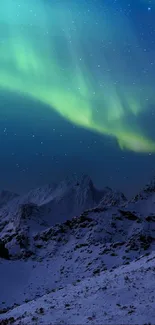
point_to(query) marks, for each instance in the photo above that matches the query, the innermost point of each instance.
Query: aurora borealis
(90, 62)
(71, 58)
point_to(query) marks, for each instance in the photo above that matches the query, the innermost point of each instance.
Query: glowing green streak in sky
(61, 58)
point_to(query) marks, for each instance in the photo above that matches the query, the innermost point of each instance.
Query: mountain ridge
(58, 265)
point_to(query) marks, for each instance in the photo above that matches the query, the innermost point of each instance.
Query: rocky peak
(112, 198)
(146, 192)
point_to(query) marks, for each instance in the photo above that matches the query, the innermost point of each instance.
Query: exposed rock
(4, 253)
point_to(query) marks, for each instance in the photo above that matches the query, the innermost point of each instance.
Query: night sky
(77, 92)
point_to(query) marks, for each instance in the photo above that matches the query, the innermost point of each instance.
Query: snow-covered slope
(96, 267)
(125, 295)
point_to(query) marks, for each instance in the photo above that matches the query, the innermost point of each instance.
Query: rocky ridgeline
(111, 234)
(146, 192)
(23, 216)
(108, 222)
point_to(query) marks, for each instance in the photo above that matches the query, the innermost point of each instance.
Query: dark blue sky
(39, 146)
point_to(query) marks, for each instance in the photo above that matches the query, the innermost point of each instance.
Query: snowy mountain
(94, 264)
(68, 198)
(42, 207)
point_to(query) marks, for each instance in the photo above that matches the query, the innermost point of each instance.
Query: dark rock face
(5, 197)
(4, 253)
(27, 209)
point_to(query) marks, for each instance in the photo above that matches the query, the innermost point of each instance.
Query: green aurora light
(87, 65)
